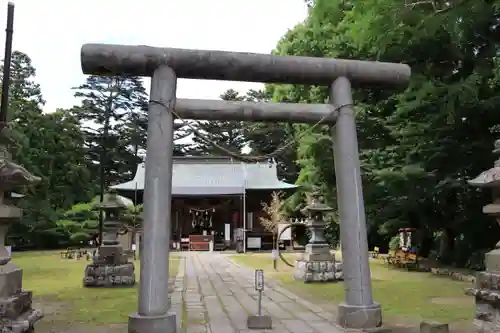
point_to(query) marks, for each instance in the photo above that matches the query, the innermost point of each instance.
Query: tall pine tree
(266, 138)
(114, 119)
(227, 134)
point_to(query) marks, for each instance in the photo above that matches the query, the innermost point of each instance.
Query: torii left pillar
(154, 314)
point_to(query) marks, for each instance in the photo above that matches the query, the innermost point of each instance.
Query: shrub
(394, 243)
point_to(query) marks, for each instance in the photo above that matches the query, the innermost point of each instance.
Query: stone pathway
(213, 294)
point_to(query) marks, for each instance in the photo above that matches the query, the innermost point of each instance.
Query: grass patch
(56, 280)
(184, 311)
(401, 293)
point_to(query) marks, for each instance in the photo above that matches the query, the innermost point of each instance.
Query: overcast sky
(51, 32)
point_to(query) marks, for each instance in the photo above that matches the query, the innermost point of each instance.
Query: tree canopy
(418, 146)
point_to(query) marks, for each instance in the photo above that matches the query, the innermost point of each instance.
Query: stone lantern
(16, 313)
(111, 267)
(487, 285)
(318, 264)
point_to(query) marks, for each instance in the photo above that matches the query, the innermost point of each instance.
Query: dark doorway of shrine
(218, 217)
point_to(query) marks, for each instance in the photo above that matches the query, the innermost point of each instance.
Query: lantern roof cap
(491, 177)
(112, 200)
(316, 203)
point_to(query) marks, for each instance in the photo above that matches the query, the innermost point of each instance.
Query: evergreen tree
(113, 115)
(226, 134)
(25, 95)
(49, 145)
(266, 138)
(419, 146)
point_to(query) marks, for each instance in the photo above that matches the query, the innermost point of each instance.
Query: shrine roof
(214, 176)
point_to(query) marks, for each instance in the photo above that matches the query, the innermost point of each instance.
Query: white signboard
(9, 249)
(249, 221)
(227, 232)
(253, 242)
(287, 235)
(259, 279)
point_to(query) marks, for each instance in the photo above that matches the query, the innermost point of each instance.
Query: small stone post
(111, 266)
(16, 313)
(137, 240)
(487, 286)
(318, 264)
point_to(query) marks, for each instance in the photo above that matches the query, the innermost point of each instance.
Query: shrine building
(214, 199)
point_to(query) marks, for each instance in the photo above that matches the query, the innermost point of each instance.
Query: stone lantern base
(318, 265)
(109, 275)
(487, 294)
(16, 313)
(110, 269)
(318, 271)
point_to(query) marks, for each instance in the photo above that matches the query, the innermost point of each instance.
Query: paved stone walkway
(212, 294)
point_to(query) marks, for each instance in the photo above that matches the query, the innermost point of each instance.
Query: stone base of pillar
(487, 319)
(109, 275)
(23, 324)
(152, 324)
(16, 314)
(359, 316)
(482, 326)
(318, 271)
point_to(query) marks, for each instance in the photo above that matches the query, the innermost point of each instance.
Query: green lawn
(413, 295)
(57, 285)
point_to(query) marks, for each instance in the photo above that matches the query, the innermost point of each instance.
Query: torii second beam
(200, 109)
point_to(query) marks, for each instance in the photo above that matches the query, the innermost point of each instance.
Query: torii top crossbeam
(106, 59)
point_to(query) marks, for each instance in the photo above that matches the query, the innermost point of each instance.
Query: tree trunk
(447, 246)
(275, 247)
(426, 240)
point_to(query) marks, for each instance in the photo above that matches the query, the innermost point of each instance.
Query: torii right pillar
(358, 310)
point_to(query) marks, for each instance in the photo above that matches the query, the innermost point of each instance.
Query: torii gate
(165, 65)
